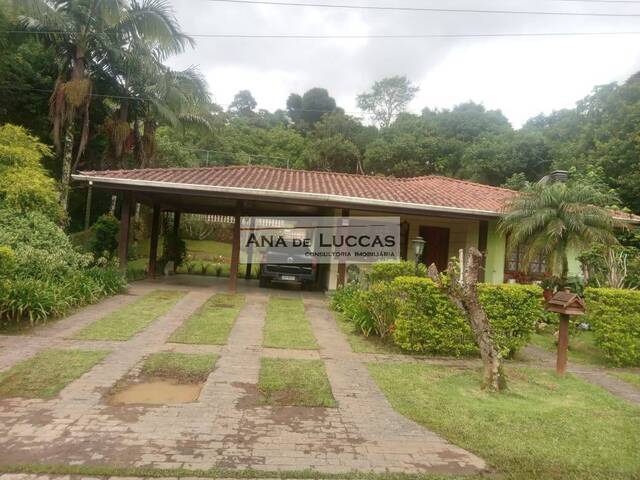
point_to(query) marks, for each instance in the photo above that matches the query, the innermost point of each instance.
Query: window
(514, 267)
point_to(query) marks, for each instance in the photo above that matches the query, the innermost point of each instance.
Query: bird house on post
(567, 304)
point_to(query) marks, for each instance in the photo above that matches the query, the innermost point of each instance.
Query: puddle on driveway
(156, 392)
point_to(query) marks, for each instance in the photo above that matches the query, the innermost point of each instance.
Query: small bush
(104, 241)
(388, 271)
(513, 311)
(381, 308)
(427, 322)
(615, 316)
(350, 301)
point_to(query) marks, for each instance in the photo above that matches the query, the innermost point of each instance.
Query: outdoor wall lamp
(418, 248)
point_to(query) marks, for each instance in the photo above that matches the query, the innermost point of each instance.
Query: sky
(520, 76)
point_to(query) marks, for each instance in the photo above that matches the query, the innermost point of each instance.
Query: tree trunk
(465, 296)
(67, 162)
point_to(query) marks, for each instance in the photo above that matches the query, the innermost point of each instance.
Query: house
(449, 214)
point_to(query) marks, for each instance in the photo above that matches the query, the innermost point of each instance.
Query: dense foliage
(24, 183)
(43, 274)
(615, 316)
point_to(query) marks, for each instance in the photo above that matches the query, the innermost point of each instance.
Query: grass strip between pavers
(48, 372)
(542, 427)
(125, 322)
(182, 367)
(211, 323)
(294, 382)
(287, 326)
(112, 471)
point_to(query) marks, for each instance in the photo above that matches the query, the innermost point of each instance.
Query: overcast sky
(520, 76)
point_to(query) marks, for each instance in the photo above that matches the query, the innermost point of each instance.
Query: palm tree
(87, 35)
(550, 220)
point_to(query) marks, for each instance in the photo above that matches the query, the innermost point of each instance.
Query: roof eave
(315, 197)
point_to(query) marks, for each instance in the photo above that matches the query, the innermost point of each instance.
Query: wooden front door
(436, 248)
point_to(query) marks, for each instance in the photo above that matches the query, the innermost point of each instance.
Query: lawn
(124, 323)
(286, 325)
(582, 347)
(44, 375)
(361, 344)
(543, 427)
(294, 382)
(182, 367)
(212, 323)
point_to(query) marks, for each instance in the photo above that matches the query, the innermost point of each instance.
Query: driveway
(225, 428)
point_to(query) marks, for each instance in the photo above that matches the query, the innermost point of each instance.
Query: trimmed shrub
(422, 319)
(513, 311)
(427, 322)
(615, 316)
(388, 271)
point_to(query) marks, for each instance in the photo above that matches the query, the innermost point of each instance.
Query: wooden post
(125, 217)
(235, 250)
(153, 241)
(342, 266)
(247, 273)
(177, 215)
(87, 210)
(563, 344)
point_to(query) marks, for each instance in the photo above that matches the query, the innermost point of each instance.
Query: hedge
(389, 271)
(615, 316)
(427, 322)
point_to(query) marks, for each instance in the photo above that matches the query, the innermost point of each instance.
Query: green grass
(630, 377)
(582, 347)
(294, 382)
(45, 374)
(361, 344)
(212, 323)
(543, 427)
(183, 367)
(125, 322)
(219, 473)
(198, 249)
(286, 325)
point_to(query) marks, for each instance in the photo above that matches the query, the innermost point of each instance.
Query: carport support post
(235, 249)
(153, 241)
(176, 233)
(247, 273)
(342, 266)
(125, 217)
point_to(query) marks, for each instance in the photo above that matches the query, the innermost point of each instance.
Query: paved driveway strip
(228, 426)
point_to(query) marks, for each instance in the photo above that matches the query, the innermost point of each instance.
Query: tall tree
(307, 109)
(243, 104)
(387, 98)
(551, 220)
(85, 34)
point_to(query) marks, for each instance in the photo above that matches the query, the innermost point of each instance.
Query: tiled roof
(427, 191)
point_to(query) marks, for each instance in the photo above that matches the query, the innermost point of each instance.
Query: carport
(450, 213)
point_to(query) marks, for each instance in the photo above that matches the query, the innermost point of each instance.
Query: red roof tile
(428, 190)
(425, 191)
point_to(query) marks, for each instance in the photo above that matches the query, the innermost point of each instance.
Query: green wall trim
(496, 245)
